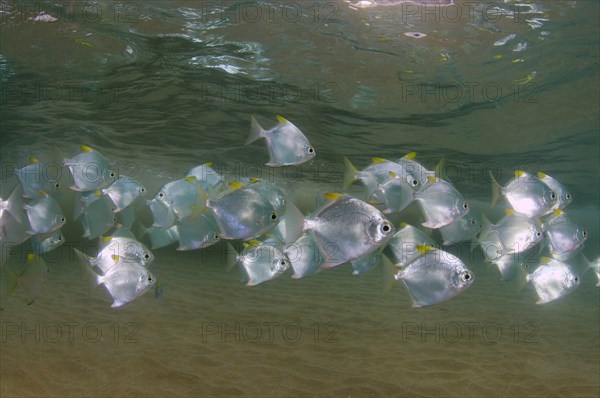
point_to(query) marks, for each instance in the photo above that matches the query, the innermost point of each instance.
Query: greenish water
(162, 86)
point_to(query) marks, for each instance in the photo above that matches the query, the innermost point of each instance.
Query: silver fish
(14, 204)
(434, 277)
(198, 232)
(127, 249)
(465, 228)
(517, 232)
(125, 284)
(90, 170)
(402, 246)
(47, 242)
(261, 262)
(287, 145)
(552, 280)
(565, 235)
(124, 191)
(44, 214)
(347, 228)
(37, 175)
(441, 203)
(98, 217)
(243, 213)
(494, 251)
(564, 197)
(526, 194)
(184, 196)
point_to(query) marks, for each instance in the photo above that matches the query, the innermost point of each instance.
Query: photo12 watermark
(70, 332)
(463, 332)
(270, 332)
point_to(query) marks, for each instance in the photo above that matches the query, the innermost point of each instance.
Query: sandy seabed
(330, 335)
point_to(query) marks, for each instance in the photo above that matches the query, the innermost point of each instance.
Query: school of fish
(202, 208)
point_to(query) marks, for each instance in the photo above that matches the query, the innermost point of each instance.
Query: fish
(44, 214)
(38, 175)
(287, 145)
(395, 193)
(565, 235)
(379, 170)
(163, 216)
(552, 280)
(517, 233)
(347, 228)
(564, 197)
(198, 232)
(98, 217)
(90, 170)
(211, 181)
(434, 276)
(305, 256)
(118, 251)
(244, 213)
(401, 249)
(261, 262)
(184, 196)
(440, 203)
(124, 284)
(594, 266)
(526, 194)
(123, 192)
(465, 228)
(494, 251)
(47, 242)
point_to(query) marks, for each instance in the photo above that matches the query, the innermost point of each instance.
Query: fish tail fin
(440, 169)
(294, 222)
(230, 257)
(372, 185)
(256, 131)
(14, 203)
(349, 173)
(86, 266)
(9, 281)
(32, 277)
(587, 264)
(486, 225)
(495, 190)
(388, 274)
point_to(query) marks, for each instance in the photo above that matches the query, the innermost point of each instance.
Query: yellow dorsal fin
(32, 159)
(423, 248)
(254, 179)
(115, 257)
(254, 242)
(235, 184)
(190, 178)
(402, 224)
(97, 192)
(207, 164)
(378, 160)
(541, 174)
(557, 212)
(519, 173)
(107, 238)
(508, 211)
(410, 155)
(431, 179)
(392, 174)
(42, 193)
(85, 148)
(280, 118)
(545, 259)
(245, 244)
(30, 256)
(332, 195)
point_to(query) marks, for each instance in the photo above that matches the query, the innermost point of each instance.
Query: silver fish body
(124, 191)
(434, 277)
(305, 256)
(566, 236)
(563, 196)
(465, 228)
(90, 170)
(125, 284)
(287, 145)
(553, 280)
(44, 214)
(198, 232)
(262, 262)
(440, 203)
(184, 196)
(528, 195)
(402, 246)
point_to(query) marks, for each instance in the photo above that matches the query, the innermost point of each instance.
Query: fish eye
(568, 196)
(473, 221)
(142, 189)
(146, 256)
(161, 194)
(273, 216)
(216, 236)
(60, 238)
(466, 277)
(538, 234)
(62, 219)
(552, 195)
(57, 185)
(311, 150)
(584, 233)
(282, 262)
(465, 206)
(385, 228)
(149, 279)
(111, 174)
